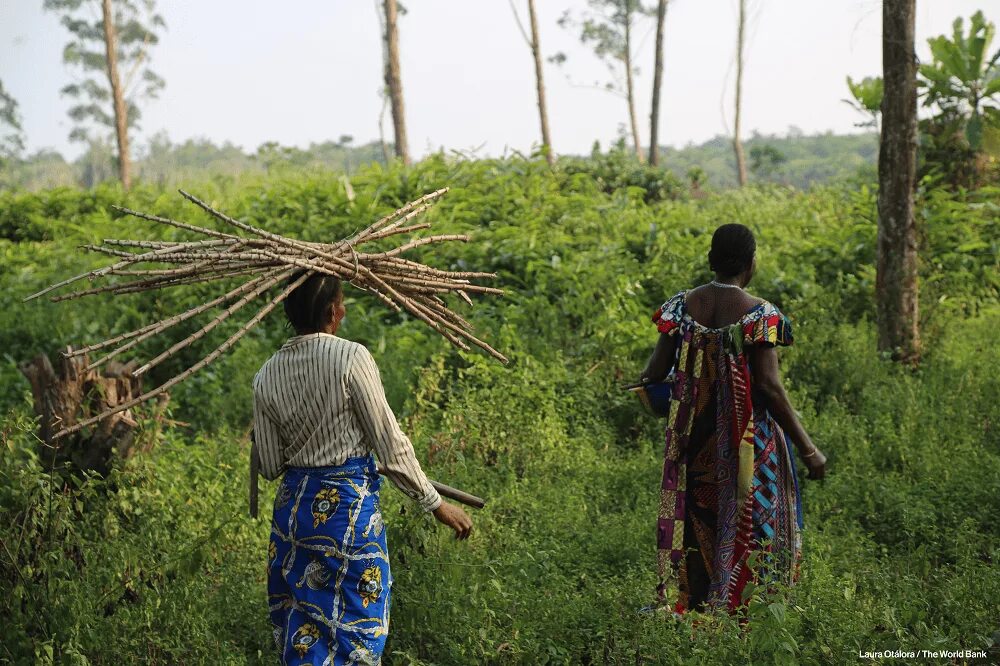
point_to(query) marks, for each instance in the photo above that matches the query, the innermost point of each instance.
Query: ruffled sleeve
(767, 327)
(668, 317)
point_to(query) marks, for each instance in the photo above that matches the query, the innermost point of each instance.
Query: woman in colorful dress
(320, 413)
(729, 485)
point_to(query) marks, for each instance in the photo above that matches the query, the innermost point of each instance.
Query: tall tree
(119, 40)
(117, 94)
(383, 89)
(608, 29)
(654, 114)
(628, 12)
(393, 80)
(741, 160)
(896, 271)
(536, 52)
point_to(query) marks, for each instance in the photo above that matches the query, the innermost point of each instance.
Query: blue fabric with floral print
(328, 566)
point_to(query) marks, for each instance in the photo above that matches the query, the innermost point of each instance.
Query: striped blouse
(318, 401)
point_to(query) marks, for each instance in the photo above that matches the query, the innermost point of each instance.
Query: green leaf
(974, 62)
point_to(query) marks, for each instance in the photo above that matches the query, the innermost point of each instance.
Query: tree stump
(74, 393)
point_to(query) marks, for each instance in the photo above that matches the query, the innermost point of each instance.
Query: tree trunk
(896, 277)
(385, 91)
(741, 160)
(381, 131)
(629, 83)
(543, 114)
(393, 81)
(117, 94)
(74, 393)
(654, 114)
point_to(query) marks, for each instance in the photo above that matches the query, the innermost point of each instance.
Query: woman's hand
(455, 518)
(767, 380)
(816, 463)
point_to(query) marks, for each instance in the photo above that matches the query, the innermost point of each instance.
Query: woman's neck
(733, 280)
(314, 331)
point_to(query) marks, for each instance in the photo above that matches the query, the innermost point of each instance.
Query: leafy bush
(158, 564)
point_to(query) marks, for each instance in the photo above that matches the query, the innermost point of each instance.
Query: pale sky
(250, 71)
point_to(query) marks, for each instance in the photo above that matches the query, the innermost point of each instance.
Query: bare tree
(607, 27)
(654, 114)
(896, 277)
(536, 52)
(381, 129)
(393, 81)
(117, 94)
(629, 10)
(118, 41)
(383, 89)
(741, 160)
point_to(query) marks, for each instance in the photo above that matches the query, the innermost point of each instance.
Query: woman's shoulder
(330, 351)
(348, 356)
(345, 355)
(321, 342)
(676, 301)
(765, 324)
(669, 315)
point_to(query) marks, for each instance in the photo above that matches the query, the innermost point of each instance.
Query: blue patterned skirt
(328, 566)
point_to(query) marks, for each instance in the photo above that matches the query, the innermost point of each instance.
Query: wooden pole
(219, 351)
(454, 493)
(458, 495)
(263, 261)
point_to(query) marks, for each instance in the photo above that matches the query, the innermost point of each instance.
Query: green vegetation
(165, 164)
(158, 563)
(805, 160)
(962, 80)
(802, 160)
(960, 85)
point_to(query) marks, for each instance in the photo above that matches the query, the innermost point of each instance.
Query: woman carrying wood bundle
(729, 485)
(319, 414)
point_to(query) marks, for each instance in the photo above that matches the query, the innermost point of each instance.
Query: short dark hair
(733, 248)
(308, 304)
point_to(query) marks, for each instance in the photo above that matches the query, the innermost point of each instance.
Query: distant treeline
(795, 159)
(165, 163)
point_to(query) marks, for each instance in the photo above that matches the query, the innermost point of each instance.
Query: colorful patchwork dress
(729, 486)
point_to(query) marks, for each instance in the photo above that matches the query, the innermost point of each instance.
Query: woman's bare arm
(661, 360)
(767, 379)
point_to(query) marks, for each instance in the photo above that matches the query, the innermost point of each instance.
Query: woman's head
(733, 251)
(316, 305)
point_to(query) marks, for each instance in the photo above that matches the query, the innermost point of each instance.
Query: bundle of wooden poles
(264, 261)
